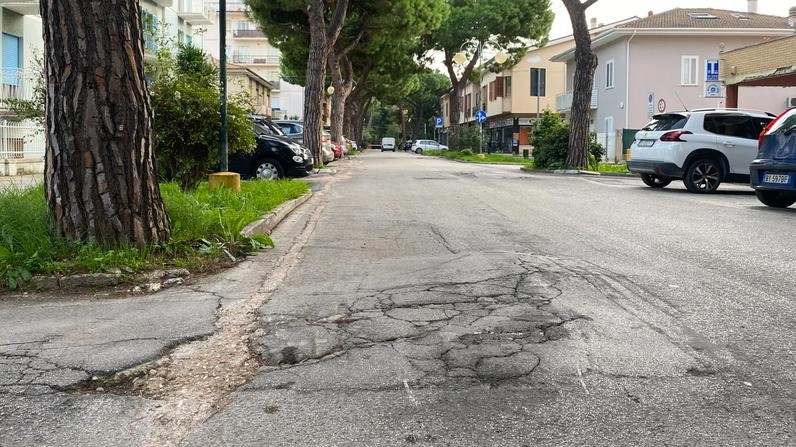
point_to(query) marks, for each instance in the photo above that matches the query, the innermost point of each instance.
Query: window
(689, 70)
(609, 74)
(538, 81)
(507, 86)
(150, 30)
(242, 25)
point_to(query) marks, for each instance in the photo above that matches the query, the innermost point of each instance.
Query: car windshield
(666, 122)
(261, 130)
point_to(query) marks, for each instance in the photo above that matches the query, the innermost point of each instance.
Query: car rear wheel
(775, 199)
(268, 169)
(703, 176)
(653, 181)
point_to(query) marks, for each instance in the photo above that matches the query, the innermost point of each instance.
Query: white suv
(702, 147)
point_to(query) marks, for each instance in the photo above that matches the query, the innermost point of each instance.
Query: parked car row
(706, 147)
(280, 151)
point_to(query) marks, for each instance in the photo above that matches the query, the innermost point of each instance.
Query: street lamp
(460, 58)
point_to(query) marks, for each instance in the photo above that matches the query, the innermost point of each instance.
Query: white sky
(607, 11)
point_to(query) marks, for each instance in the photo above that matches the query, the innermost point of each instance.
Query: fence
(21, 144)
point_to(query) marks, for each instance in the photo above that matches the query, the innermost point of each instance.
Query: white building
(247, 46)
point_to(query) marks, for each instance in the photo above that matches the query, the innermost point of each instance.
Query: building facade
(21, 142)
(667, 62)
(247, 46)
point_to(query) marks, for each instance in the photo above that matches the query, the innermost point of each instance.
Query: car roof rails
(734, 109)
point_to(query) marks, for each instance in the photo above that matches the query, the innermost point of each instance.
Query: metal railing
(249, 59)
(20, 140)
(564, 101)
(232, 5)
(17, 84)
(248, 34)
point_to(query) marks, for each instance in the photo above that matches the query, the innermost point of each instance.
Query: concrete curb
(267, 224)
(499, 163)
(578, 172)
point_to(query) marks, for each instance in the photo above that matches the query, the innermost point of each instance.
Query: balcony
(164, 3)
(29, 7)
(564, 102)
(247, 59)
(248, 34)
(232, 6)
(195, 12)
(17, 84)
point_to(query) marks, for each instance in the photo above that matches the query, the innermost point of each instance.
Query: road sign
(438, 122)
(713, 90)
(661, 105)
(711, 70)
(480, 116)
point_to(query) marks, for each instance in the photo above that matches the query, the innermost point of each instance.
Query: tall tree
(317, 22)
(585, 64)
(100, 177)
(507, 25)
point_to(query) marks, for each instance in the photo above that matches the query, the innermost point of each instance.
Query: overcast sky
(607, 11)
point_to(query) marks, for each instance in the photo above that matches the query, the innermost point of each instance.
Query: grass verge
(478, 158)
(204, 233)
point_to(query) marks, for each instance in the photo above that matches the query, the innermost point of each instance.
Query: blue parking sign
(711, 70)
(438, 121)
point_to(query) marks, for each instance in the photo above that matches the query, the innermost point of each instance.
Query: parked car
(773, 171)
(292, 129)
(703, 147)
(425, 145)
(388, 144)
(274, 157)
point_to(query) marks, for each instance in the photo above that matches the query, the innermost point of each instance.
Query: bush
(550, 141)
(186, 105)
(466, 138)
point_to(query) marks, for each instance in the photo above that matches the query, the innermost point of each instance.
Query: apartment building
(248, 47)
(672, 61)
(514, 98)
(21, 142)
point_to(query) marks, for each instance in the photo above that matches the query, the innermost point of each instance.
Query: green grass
(610, 167)
(476, 158)
(205, 228)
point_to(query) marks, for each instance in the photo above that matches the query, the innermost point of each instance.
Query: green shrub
(550, 141)
(466, 138)
(186, 105)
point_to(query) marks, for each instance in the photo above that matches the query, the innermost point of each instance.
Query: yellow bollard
(229, 180)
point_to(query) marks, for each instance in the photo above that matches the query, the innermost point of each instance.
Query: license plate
(645, 143)
(776, 178)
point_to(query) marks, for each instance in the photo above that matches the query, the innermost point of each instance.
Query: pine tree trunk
(316, 72)
(585, 64)
(101, 183)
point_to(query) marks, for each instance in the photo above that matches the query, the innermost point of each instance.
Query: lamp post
(460, 58)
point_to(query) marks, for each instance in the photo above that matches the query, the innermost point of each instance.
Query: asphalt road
(441, 303)
(421, 301)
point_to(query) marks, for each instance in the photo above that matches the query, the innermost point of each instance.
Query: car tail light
(675, 135)
(766, 127)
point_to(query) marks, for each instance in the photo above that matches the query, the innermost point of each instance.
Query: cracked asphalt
(429, 302)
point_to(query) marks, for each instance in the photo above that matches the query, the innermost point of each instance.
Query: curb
(500, 163)
(267, 224)
(578, 172)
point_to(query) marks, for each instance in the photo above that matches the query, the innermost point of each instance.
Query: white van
(388, 144)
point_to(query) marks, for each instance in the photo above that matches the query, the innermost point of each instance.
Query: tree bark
(322, 39)
(585, 64)
(101, 181)
(457, 84)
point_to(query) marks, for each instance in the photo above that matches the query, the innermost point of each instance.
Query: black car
(292, 129)
(275, 156)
